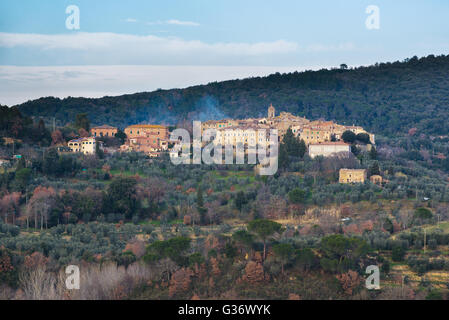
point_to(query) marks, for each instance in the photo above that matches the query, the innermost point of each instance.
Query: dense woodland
(143, 228)
(386, 98)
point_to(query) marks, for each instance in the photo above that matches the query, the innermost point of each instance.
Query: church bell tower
(271, 111)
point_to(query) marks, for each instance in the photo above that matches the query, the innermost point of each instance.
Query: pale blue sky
(284, 34)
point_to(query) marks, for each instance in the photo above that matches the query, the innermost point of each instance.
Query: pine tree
(200, 205)
(373, 153)
(374, 169)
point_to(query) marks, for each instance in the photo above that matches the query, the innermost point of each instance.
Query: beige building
(83, 145)
(103, 131)
(218, 124)
(352, 176)
(328, 149)
(376, 179)
(313, 135)
(248, 135)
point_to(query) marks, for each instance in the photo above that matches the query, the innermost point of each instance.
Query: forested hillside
(387, 98)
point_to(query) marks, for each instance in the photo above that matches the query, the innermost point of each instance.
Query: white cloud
(131, 20)
(160, 45)
(183, 23)
(175, 22)
(19, 84)
(114, 48)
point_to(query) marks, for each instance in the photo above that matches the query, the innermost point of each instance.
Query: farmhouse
(352, 176)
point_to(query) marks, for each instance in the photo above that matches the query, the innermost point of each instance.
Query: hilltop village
(322, 138)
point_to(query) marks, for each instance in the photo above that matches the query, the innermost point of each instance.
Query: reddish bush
(294, 296)
(215, 267)
(137, 247)
(349, 281)
(254, 273)
(180, 282)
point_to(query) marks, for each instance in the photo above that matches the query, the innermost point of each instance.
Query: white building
(327, 149)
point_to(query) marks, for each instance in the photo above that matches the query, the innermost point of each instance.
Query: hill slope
(387, 98)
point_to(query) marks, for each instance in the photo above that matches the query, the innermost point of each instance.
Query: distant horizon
(139, 71)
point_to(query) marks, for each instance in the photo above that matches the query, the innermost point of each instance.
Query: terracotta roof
(358, 170)
(147, 126)
(104, 126)
(81, 139)
(338, 143)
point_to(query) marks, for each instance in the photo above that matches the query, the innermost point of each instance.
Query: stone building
(103, 131)
(144, 144)
(352, 176)
(148, 131)
(314, 135)
(327, 149)
(146, 138)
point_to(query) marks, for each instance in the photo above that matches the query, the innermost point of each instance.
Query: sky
(141, 45)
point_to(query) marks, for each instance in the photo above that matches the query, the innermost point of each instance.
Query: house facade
(148, 131)
(83, 145)
(103, 131)
(352, 176)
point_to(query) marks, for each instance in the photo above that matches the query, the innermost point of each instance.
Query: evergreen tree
(21, 164)
(121, 136)
(348, 136)
(240, 200)
(374, 169)
(200, 205)
(302, 148)
(373, 153)
(81, 121)
(283, 159)
(264, 229)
